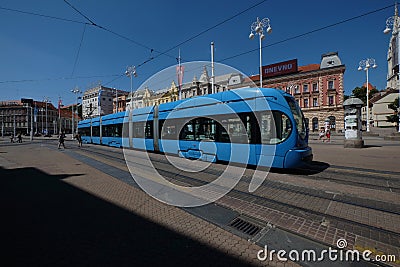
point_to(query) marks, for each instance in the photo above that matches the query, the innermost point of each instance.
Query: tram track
(279, 203)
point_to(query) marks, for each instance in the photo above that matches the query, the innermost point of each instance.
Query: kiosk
(352, 123)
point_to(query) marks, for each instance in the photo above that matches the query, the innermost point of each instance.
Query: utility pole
(212, 69)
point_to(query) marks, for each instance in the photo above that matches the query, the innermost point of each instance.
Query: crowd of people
(61, 139)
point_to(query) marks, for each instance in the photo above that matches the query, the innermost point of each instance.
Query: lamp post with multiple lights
(365, 64)
(76, 91)
(46, 100)
(394, 21)
(258, 28)
(131, 71)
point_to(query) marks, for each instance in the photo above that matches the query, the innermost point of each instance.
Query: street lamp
(365, 64)
(46, 100)
(76, 91)
(394, 21)
(131, 71)
(258, 28)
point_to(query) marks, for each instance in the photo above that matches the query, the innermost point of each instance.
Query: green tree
(395, 107)
(361, 93)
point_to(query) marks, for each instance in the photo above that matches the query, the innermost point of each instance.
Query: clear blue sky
(38, 54)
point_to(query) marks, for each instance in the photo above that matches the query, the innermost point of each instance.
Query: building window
(330, 100)
(315, 87)
(315, 124)
(296, 90)
(330, 85)
(332, 123)
(315, 102)
(306, 102)
(305, 88)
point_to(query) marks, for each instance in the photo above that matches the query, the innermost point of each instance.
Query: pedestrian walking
(12, 138)
(79, 138)
(328, 135)
(61, 139)
(19, 138)
(322, 134)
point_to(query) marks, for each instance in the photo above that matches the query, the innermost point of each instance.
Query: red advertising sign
(280, 68)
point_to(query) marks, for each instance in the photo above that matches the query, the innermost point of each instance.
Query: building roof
(309, 67)
(388, 97)
(370, 86)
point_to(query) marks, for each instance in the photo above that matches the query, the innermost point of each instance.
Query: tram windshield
(298, 117)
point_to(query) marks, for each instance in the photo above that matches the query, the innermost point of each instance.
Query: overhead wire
(79, 49)
(296, 36)
(42, 15)
(309, 32)
(91, 22)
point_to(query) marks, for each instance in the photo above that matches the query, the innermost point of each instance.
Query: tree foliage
(395, 107)
(361, 93)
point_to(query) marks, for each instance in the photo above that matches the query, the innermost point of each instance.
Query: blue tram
(256, 126)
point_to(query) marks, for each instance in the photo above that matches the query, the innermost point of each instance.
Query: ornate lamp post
(46, 100)
(394, 21)
(131, 71)
(258, 28)
(76, 91)
(365, 64)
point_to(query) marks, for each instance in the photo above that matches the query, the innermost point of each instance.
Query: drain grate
(245, 227)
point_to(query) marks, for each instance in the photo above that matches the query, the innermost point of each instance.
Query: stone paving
(210, 244)
(380, 158)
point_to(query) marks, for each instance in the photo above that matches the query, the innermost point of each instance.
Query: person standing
(79, 138)
(322, 134)
(19, 138)
(328, 135)
(61, 139)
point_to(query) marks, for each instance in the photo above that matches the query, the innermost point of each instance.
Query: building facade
(18, 116)
(318, 88)
(380, 109)
(99, 101)
(393, 56)
(119, 101)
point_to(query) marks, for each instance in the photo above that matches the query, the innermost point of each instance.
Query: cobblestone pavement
(360, 204)
(59, 211)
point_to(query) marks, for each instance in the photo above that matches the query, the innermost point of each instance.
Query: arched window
(332, 123)
(315, 124)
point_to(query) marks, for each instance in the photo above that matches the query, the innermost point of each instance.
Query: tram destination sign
(280, 68)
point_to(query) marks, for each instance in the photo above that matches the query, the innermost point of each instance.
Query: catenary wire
(79, 49)
(225, 59)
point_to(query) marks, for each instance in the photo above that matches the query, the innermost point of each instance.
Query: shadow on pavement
(47, 222)
(367, 146)
(309, 168)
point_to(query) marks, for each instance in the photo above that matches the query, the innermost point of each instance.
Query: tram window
(234, 130)
(118, 130)
(205, 129)
(96, 130)
(169, 129)
(104, 131)
(187, 132)
(275, 127)
(138, 130)
(84, 131)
